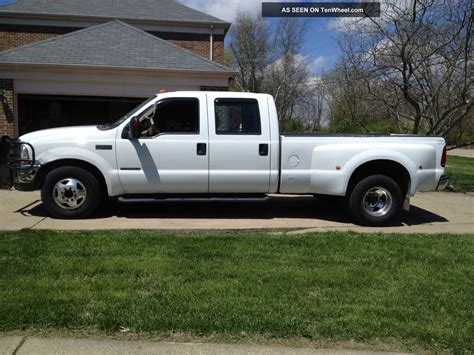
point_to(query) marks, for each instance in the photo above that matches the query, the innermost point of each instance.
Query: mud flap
(406, 203)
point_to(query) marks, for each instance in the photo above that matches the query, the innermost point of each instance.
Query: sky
(320, 44)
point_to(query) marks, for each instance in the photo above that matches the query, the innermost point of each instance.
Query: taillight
(443, 157)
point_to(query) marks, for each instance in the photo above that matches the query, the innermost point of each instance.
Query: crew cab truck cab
(208, 144)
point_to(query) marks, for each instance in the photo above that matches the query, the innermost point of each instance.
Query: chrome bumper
(443, 182)
(25, 174)
(24, 171)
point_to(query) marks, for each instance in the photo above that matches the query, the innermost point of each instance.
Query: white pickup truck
(221, 144)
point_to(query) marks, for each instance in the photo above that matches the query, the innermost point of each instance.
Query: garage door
(37, 112)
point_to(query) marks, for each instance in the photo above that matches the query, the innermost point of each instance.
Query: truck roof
(221, 93)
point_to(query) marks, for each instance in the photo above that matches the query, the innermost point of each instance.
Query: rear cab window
(237, 116)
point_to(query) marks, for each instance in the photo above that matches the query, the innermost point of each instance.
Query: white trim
(119, 69)
(16, 128)
(87, 21)
(211, 43)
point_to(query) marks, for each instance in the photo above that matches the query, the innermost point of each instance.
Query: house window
(237, 116)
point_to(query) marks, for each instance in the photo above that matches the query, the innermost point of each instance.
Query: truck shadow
(304, 207)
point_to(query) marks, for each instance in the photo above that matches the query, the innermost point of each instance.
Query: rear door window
(237, 116)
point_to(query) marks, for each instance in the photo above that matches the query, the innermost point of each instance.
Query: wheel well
(45, 169)
(390, 168)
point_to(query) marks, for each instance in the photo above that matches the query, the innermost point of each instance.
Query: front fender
(100, 160)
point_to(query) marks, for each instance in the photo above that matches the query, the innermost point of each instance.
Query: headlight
(25, 153)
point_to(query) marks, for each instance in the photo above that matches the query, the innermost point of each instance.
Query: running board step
(201, 198)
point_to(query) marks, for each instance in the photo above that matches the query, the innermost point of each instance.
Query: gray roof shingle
(151, 10)
(112, 44)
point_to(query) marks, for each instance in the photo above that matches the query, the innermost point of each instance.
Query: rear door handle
(201, 149)
(263, 149)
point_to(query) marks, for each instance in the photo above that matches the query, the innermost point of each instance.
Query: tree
(252, 51)
(416, 62)
(288, 75)
(347, 113)
(270, 62)
(286, 80)
(312, 105)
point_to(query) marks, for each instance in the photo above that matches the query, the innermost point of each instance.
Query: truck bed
(323, 163)
(318, 134)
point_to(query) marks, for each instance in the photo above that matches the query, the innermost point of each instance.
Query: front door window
(171, 116)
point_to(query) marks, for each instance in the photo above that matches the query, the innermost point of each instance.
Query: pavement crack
(36, 224)
(20, 344)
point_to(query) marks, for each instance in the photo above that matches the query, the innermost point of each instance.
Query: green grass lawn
(408, 291)
(461, 173)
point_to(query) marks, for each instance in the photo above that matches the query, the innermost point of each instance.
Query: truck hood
(63, 134)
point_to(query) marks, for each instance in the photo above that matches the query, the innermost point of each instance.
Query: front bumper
(443, 182)
(23, 171)
(24, 177)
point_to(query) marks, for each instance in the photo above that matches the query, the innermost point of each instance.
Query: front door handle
(201, 149)
(263, 149)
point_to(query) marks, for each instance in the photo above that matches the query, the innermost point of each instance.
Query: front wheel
(375, 200)
(71, 192)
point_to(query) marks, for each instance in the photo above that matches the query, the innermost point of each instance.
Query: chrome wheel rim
(69, 193)
(377, 201)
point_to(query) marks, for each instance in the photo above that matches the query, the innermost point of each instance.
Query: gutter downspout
(211, 43)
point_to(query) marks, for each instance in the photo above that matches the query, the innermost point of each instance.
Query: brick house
(66, 62)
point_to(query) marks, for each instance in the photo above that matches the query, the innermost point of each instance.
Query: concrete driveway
(434, 212)
(469, 153)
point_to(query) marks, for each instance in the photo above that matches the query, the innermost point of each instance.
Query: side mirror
(134, 131)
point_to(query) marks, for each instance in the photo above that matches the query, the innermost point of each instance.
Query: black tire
(378, 188)
(88, 183)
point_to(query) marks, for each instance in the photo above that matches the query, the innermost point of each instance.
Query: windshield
(107, 126)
